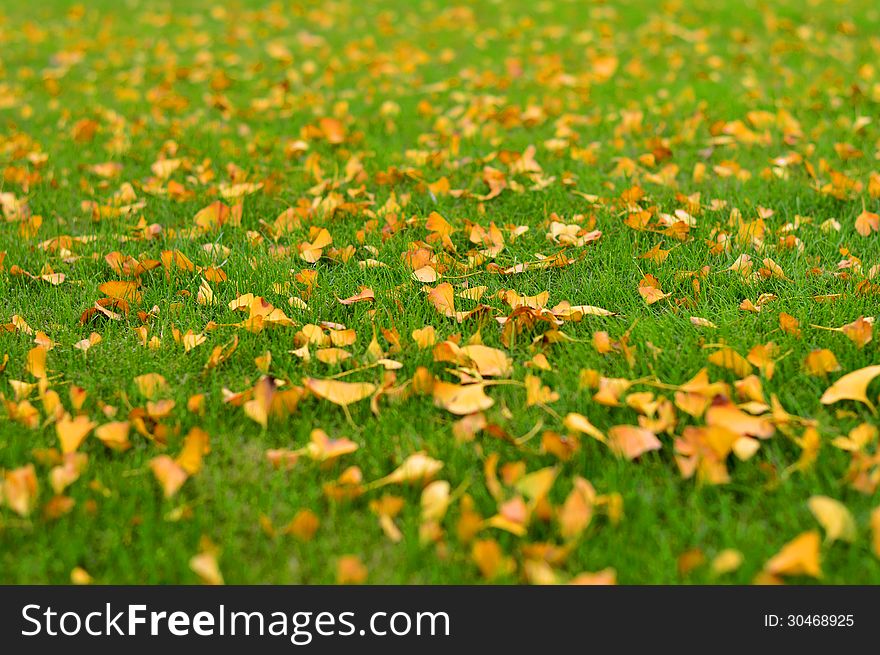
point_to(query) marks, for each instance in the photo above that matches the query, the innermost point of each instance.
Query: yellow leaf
(821, 362)
(604, 577)
(322, 448)
(169, 473)
(72, 431)
(418, 467)
(121, 289)
(729, 358)
(834, 517)
(205, 566)
(257, 408)
(729, 416)
(443, 299)
(365, 294)
(537, 485)
(114, 435)
(577, 510)
(727, 561)
(490, 559)
(195, 446)
(800, 556)
(332, 355)
(789, 324)
(702, 322)
(461, 399)
(221, 353)
(488, 361)
(537, 393)
(151, 385)
(852, 386)
(79, 576)
(303, 525)
(36, 362)
(350, 570)
(425, 337)
(435, 500)
(630, 441)
(580, 423)
(20, 488)
(205, 295)
(426, 274)
(867, 222)
(649, 289)
(191, 340)
(338, 392)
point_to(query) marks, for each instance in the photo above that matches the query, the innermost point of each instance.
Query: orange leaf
(338, 392)
(867, 222)
(20, 489)
(630, 441)
(72, 431)
(461, 399)
(800, 556)
(114, 435)
(195, 446)
(366, 294)
(121, 289)
(821, 362)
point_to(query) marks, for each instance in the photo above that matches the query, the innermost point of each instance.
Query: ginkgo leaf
(20, 488)
(729, 358)
(461, 399)
(821, 362)
(576, 512)
(418, 467)
(580, 423)
(351, 570)
(36, 362)
(151, 385)
(122, 289)
(195, 447)
(488, 361)
(443, 299)
(834, 517)
(867, 222)
(435, 500)
(339, 392)
(114, 435)
(852, 386)
(800, 556)
(649, 289)
(303, 525)
(365, 294)
(322, 448)
(205, 566)
(426, 274)
(73, 431)
(631, 442)
(425, 337)
(537, 485)
(169, 473)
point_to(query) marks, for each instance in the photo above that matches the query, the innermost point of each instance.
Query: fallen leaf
(800, 556)
(338, 392)
(834, 517)
(852, 386)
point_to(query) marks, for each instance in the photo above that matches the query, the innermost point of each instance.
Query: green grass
(702, 62)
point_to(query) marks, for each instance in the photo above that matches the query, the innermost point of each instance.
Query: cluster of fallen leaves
(467, 274)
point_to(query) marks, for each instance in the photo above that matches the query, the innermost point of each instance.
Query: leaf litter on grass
(420, 283)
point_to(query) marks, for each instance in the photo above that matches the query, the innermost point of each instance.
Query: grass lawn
(707, 172)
